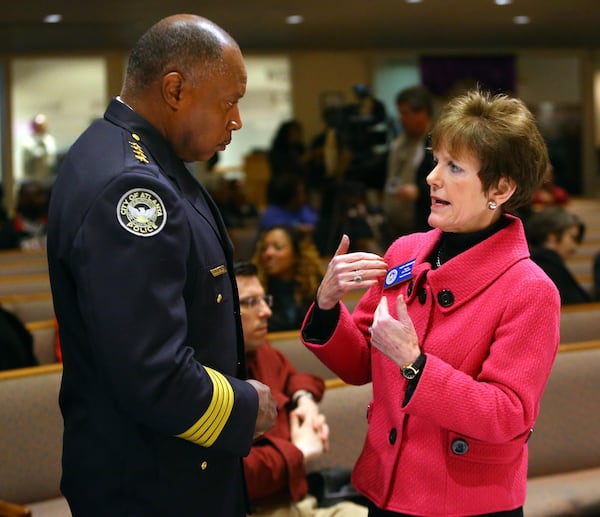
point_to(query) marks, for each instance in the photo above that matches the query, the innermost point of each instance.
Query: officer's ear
(172, 86)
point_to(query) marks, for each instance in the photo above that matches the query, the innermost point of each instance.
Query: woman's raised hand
(348, 272)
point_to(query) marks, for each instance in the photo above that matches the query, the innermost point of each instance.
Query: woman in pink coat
(458, 330)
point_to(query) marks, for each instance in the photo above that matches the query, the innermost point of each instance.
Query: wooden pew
(244, 241)
(581, 269)
(20, 284)
(592, 235)
(24, 267)
(564, 449)
(303, 359)
(44, 340)
(586, 251)
(579, 322)
(352, 298)
(579, 345)
(29, 306)
(31, 442)
(13, 510)
(345, 407)
(8, 256)
(587, 209)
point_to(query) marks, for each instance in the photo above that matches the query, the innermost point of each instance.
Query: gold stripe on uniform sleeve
(209, 426)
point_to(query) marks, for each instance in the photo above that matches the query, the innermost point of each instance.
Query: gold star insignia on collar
(138, 152)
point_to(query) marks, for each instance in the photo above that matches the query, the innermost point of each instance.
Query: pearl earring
(492, 205)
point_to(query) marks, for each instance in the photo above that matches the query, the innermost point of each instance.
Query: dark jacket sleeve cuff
(412, 384)
(320, 324)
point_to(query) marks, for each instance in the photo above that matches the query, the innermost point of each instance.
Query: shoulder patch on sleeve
(142, 212)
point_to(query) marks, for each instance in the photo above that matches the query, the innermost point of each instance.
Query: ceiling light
(503, 2)
(413, 1)
(521, 20)
(294, 19)
(53, 18)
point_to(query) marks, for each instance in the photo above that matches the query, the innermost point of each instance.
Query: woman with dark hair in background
(554, 235)
(290, 269)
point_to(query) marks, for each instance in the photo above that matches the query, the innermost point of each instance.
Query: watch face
(409, 372)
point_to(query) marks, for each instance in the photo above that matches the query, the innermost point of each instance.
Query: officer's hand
(267, 408)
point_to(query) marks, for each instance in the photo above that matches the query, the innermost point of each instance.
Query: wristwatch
(302, 393)
(411, 370)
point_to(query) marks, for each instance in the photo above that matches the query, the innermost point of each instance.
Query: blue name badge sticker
(399, 274)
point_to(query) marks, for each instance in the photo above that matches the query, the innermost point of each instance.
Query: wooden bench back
(44, 340)
(29, 307)
(580, 322)
(566, 436)
(21, 284)
(30, 434)
(345, 408)
(303, 359)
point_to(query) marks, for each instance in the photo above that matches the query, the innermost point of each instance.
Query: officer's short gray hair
(188, 44)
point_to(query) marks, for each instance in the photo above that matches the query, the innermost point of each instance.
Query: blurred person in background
(39, 151)
(288, 152)
(31, 215)
(554, 234)
(346, 211)
(16, 342)
(406, 200)
(365, 138)
(8, 237)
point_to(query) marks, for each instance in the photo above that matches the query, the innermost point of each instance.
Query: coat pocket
(469, 449)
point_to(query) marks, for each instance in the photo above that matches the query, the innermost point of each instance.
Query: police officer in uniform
(157, 414)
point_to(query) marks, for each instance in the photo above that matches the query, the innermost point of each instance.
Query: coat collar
(485, 262)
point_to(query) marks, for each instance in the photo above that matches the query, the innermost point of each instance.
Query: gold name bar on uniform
(218, 271)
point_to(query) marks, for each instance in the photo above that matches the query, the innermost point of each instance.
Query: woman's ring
(357, 278)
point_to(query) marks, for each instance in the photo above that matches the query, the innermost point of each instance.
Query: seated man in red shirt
(274, 469)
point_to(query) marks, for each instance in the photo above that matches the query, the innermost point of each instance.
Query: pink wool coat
(488, 322)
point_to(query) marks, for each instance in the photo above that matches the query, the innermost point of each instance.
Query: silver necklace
(438, 262)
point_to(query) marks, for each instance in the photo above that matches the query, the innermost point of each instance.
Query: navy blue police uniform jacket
(156, 415)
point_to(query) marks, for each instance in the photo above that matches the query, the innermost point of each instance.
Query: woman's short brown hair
(502, 133)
